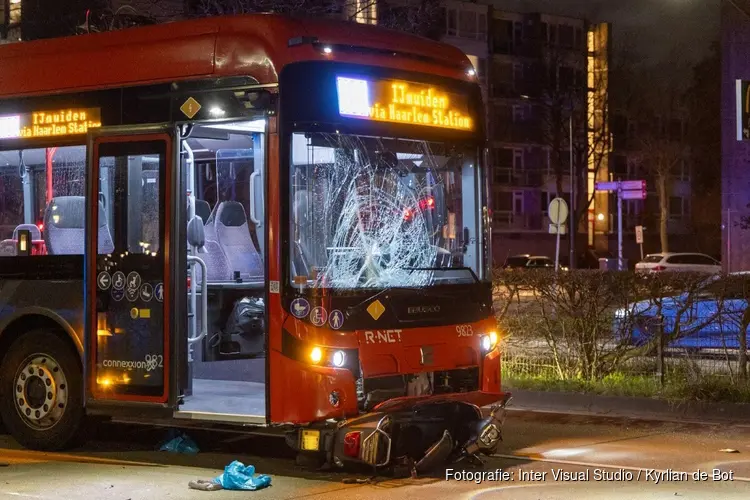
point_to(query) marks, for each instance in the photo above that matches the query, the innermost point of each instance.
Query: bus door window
(130, 337)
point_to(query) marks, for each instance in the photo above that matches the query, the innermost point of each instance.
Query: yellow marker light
(493, 339)
(310, 440)
(23, 243)
(316, 355)
(103, 333)
(104, 382)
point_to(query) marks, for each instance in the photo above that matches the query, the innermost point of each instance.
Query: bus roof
(257, 45)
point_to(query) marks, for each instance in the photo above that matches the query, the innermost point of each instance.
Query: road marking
(604, 466)
(24, 495)
(26, 456)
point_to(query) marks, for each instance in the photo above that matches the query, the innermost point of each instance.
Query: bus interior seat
(7, 248)
(33, 229)
(217, 264)
(235, 240)
(203, 210)
(64, 220)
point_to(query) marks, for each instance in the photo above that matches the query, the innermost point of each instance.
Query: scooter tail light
(352, 444)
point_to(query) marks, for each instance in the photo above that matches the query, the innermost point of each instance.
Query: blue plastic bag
(180, 443)
(237, 476)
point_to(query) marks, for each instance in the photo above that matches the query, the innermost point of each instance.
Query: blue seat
(64, 222)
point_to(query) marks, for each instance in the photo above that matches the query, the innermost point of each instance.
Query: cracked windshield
(374, 212)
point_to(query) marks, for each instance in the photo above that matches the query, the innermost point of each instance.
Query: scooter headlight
(490, 436)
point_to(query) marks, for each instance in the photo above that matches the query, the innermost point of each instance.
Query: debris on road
(729, 450)
(238, 476)
(178, 442)
(204, 485)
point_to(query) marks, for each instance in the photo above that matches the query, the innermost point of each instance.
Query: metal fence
(538, 346)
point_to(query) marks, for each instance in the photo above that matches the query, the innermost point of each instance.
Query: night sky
(656, 29)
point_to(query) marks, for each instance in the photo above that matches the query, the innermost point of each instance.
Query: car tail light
(188, 283)
(352, 442)
(659, 268)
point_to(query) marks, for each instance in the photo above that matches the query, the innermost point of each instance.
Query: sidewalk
(627, 407)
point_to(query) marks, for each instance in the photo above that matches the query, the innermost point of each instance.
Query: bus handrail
(253, 216)
(192, 260)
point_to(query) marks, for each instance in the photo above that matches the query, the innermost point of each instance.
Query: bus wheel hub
(41, 392)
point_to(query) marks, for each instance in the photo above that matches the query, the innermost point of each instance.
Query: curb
(628, 407)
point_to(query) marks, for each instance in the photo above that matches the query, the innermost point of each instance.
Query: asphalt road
(599, 457)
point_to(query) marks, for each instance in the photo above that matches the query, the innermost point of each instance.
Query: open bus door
(130, 345)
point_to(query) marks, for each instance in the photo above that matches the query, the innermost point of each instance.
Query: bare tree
(573, 94)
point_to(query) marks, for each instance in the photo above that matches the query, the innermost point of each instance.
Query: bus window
(227, 178)
(30, 180)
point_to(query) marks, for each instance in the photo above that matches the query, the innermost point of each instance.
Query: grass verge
(675, 388)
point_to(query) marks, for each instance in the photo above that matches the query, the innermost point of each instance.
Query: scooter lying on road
(418, 435)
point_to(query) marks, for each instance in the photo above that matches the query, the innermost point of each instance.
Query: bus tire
(41, 390)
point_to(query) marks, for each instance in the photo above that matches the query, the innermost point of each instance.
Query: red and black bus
(252, 220)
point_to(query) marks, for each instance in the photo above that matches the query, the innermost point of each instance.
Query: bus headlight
(489, 341)
(316, 354)
(339, 358)
(486, 343)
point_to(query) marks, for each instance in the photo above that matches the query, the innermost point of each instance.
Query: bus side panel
(58, 301)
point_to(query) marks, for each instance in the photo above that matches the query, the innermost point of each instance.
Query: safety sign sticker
(147, 292)
(159, 292)
(118, 294)
(336, 319)
(318, 316)
(134, 281)
(131, 294)
(104, 280)
(300, 308)
(118, 280)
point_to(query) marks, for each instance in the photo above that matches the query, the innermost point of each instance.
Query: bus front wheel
(41, 391)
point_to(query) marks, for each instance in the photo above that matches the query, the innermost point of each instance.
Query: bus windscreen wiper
(471, 271)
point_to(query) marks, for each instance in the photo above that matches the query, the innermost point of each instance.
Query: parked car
(709, 319)
(529, 262)
(685, 262)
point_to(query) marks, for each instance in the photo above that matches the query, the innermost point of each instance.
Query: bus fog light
(316, 355)
(339, 358)
(486, 343)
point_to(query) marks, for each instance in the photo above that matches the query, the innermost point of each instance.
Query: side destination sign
(69, 121)
(397, 101)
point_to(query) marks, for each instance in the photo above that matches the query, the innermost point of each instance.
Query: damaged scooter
(414, 434)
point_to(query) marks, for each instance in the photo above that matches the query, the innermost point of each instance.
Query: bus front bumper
(423, 432)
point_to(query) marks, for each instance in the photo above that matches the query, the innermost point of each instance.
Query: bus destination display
(49, 123)
(403, 102)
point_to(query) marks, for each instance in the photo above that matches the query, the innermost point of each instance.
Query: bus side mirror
(196, 233)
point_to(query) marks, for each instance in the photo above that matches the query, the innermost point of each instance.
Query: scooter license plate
(310, 440)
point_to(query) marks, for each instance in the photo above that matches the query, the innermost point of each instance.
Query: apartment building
(548, 77)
